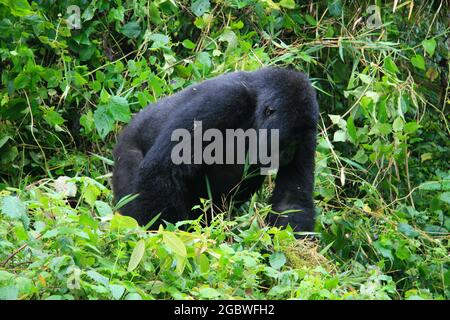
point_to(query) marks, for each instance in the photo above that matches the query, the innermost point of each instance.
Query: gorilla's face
(289, 107)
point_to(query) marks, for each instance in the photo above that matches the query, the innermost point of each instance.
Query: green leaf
(446, 185)
(208, 293)
(87, 121)
(204, 61)
(447, 278)
(97, 277)
(398, 124)
(53, 118)
(426, 156)
(96, 86)
(116, 14)
(230, 37)
(177, 246)
(385, 252)
(90, 193)
(365, 78)
(24, 285)
(310, 19)
(116, 290)
(8, 155)
(133, 296)
(104, 96)
(335, 7)
(237, 25)
(151, 222)
(361, 156)
(203, 263)
(332, 283)
(411, 127)
(288, 4)
(86, 52)
(3, 140)
(9, 293)
(119, 222)
(339, 136)
(445, 197)
(335, 118)
(21, 81)
(418, 62)
(351, 129)
(103, 120)
(88, 14)
(136, 255)
(131, 29)
(430, 185)
(381, 129)
(78, 79)
(389, 65)
(188, 44)
(199, 7)
(50, 234)
(277, 260)
(385, 128)
(429, 46)
(407, 230)
(159, 40)
(154, 13)
(181, 264)
(119, 108)
(430, 228)
(6, 276)
(402, 253)
(103, 208)
(12, 207)
(19, 8)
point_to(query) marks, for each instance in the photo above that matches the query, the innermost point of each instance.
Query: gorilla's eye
(269, 111)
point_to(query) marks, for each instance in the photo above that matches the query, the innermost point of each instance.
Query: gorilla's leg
(162, 185)
(294, 187)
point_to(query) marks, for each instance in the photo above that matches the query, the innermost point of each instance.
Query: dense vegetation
(382, 180)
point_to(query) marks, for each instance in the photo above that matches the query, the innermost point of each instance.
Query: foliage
(85, 251)
(382, 174)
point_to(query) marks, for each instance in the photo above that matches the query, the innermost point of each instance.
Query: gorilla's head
(285, 100)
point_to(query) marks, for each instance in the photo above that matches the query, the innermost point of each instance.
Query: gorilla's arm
(294, 187)
(162, 186)
(127, 158)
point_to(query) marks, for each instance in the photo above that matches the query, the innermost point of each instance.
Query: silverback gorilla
(270, 98)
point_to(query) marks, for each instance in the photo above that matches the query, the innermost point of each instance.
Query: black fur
(236, 100)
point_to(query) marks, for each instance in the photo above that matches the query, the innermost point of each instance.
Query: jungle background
(73, 73)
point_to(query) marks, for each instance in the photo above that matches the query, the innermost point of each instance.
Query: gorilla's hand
(300, 219)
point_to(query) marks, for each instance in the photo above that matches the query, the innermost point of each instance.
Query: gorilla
(269, 98)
